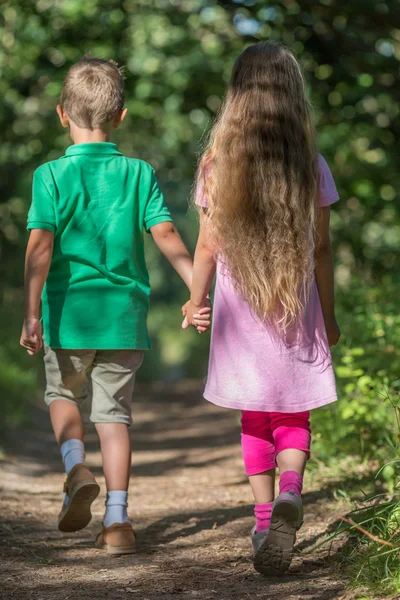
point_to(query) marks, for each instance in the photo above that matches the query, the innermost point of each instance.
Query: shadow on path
(178, 420)
(191, 506)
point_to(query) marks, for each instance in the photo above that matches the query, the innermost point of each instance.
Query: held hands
(196, 316)
(31, 336)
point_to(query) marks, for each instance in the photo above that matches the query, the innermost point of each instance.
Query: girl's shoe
(274, 547)
(81, 489)
(258, 538)
(119, 538)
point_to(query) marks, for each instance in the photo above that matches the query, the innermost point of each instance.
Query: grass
(371, 556)
(373, 562)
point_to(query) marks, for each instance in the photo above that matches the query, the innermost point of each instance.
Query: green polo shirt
(98, 203)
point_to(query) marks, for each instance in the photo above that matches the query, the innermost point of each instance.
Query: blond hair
(262, 161)
(93, 92)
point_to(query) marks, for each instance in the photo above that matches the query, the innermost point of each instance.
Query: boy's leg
(113, 378)
(66, 421)
(68, 428)
(66, 388)
(259, 459)
(116, 454)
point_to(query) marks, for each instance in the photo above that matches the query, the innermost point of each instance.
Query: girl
(264, 196)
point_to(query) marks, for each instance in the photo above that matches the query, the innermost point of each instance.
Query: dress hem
(226, 403)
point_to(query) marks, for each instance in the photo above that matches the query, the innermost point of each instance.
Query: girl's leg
(259, 459)
(263, 486)
(259, 454)
(292, 436)
(116, 454)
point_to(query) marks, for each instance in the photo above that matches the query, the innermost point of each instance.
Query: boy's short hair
(93, 92)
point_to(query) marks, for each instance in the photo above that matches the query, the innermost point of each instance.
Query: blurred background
(178, 56)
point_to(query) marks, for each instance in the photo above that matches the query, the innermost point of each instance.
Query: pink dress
(251, 367)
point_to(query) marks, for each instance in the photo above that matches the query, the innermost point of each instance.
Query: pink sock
(290, 481)
(262, 513)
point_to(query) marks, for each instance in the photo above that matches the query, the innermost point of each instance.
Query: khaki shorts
(103, 378)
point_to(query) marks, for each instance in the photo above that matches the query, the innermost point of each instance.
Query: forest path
(190, 504)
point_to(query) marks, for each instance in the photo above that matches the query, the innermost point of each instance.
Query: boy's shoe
(119, 538)
(81, 489)
(274, 553)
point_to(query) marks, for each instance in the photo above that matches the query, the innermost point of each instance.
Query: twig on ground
(367, 533)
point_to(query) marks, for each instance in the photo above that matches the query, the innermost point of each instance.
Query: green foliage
(367, 362)
(178, 56)
(372, 555)
(18, 372)
(372, 564)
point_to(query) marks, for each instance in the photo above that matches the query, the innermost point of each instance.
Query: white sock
(73, 453)
(116, 508)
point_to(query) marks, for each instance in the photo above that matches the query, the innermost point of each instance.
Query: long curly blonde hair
(259, 173)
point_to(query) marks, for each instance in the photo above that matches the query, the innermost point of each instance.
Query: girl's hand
(31, 336)
(196, 316)
(333, 332)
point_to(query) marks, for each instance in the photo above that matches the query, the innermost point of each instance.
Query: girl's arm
(37, 264)
(203, 274)
(324, 274)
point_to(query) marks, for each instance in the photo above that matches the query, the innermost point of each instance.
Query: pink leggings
(265, 434)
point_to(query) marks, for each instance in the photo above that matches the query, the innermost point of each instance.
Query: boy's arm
(167, 238)
(203, 274)
(37, 264)
(324, 274)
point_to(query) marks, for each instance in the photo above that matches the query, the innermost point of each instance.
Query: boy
(86, 254)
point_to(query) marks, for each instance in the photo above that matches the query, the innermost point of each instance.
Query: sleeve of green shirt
(41, 213)
(156, 210)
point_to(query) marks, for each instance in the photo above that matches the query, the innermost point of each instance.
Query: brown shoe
(81, 489)
(117, 539)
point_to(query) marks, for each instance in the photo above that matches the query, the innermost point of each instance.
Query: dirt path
(190, 504)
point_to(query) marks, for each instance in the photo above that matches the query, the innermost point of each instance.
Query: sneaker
(257, 538)
(81, 489)
(119, 538)
(274, 554)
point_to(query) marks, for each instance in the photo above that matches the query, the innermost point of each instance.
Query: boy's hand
(196, 316)
(31, 337)
(333, 331)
